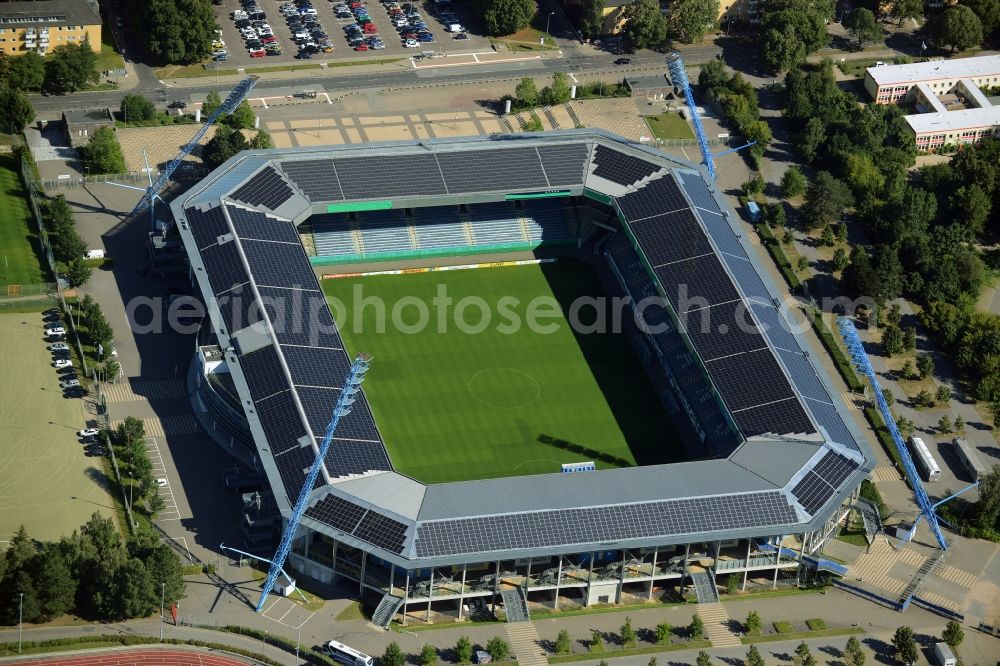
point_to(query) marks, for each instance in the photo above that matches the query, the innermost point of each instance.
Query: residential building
(947, 98)
(41, 25)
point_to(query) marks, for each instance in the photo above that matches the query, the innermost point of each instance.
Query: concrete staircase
(524, 644)
(514, 605)
(704, 587)
(716, 621)
(386, 610)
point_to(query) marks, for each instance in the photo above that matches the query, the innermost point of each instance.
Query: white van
(93, 254)
(455, 27)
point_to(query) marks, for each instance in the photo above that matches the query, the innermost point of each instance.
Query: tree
(943, 393)
(428, 655)
(827, 238)
(754, 657)
(393, 655)
(242, 117)
(959, 28)
(563, 645)
(774, 215)
(261, 140)
(505, 17)
(212, 102)
(226, 143)
(132, 590)
(27, 607)
(906, 372)
(905, 425)
(26, 72)
(988, 506)
(804, 656)
(651, 662)
(628, 635)
(17, 112)
(840, 259)
(596, 641)
(463, 650)
(753, 186)
(102, 153)
(790, 33)
(70, 67)
(137, 109)
(909, 338)
(526, 92)
(854, 653)
(889, 396)
(959, 423)
(178, 31)
(78, 272)
(905, 645)
(592, 18)
(733, 583)
(972, 205)
(155, 503)
(924, 398)
(826, 200)
(131, 429)
(663, 631)
(645, 26)
(559, 92)
(793, 183)
(53, 582)
(696, 630)
(892, 340)
(904, 9)
(704, 659)
(691, 19)
(988, 12)
(753, 623)
(498, 648)
(925, 365)
(944, 424)
(953, 634)
(863, 25)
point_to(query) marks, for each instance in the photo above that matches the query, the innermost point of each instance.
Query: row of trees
(67, 245)
(176, 31)
(496, 647)
(92, 573)
(129, 439)
(738, 100)
(67, 68)
(99, 330)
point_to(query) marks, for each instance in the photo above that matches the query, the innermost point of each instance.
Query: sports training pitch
(506, 401)
(18, 259)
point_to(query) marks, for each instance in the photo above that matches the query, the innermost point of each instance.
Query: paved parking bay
(170, 510)
(287, 612)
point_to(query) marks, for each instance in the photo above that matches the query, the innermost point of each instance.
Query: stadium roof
(934, 70)
(801, 453)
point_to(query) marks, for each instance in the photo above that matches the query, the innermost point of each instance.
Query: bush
(463, 650)
(498, 648)
(596, 641)
(563, 645)
(428, 655)
(783, 627)
(816, 624)
(663, 632)
(393, 656)
(696, 630)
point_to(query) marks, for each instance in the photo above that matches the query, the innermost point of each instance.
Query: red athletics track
(139, 658)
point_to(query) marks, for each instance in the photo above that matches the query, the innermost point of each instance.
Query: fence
(140, 178)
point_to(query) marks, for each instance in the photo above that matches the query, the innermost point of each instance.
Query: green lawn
(19, 261)
(669, 125)
(470, 405)
(109, 58)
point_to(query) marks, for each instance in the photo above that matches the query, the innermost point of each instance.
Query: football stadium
(583, 390)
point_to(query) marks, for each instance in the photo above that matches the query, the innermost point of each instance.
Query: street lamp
(547, 20)
(163, 588)
(20, 616)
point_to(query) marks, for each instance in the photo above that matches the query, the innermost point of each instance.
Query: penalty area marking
(434, 269)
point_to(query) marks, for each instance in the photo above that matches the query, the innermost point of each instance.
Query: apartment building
(41, 25)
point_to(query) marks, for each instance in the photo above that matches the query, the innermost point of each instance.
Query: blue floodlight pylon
(678, 75)
(341, 409)
(860, 358)
(238, 94)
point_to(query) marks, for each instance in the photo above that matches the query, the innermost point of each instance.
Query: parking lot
(436, 21)
(159, 471)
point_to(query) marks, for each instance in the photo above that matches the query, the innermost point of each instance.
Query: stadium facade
(783, 456)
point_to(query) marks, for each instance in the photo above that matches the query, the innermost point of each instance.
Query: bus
(924, 460)
(969, 458)
(347, 655)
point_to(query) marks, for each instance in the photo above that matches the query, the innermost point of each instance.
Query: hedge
(131, 640)
(844, 365)
(307, 654)
(778, 255)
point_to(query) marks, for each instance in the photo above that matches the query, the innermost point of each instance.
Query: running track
(140, 658)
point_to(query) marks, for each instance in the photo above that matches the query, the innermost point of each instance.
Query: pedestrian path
(524, 643)
(955, 575)
(167, 426)
(873, 567)
(716, 620)
(133, 389)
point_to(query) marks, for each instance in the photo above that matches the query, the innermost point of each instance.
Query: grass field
(46, 482)
(470, 405)
(18, 260)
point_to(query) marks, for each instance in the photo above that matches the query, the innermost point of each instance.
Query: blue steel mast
(238, 94)
(342, 408)
(675, 65)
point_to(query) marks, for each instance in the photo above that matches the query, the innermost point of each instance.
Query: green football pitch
(508, 400)
(18, 260)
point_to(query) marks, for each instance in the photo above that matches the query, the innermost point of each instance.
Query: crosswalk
(133, 389)
(938, 600)
(955, 575)
(716, 620)
(886, 474)
(873, 566)
(524, 643)
(851, 400)
(168, 426)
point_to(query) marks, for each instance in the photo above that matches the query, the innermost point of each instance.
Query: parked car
(221, 57)
(88, 432)
(269, 40)
(257, 53)
(177, 104)
(363, 46)
(58, 346)
(376, 43)
(461, 35)
(54, 331)
(426, 37)
(61, 363)
(623, 61)
(370, 29)
(411, 44)
(69, 383)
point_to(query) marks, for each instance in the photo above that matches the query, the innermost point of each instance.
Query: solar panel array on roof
(206, 227)
(602, 524)
(316, 179)
(389, 176)
(716, 332)
(302, 317)
(655, 198)
(337, 512)
(349, 457)
(278, 264)
(564, 164)
(785, 417)
(497, 170)
(696, 283)
(224, 266)
(255, 225)
(281, 422)
(835, 468)
(749, 379)
(826, 415)
(621, 168)
(239, 308)
(671, 237)
(698, 191)
(266, 188)
(812, 492)
(292, 465)
(310, 366)
(382, 531)
(263, 372)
